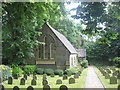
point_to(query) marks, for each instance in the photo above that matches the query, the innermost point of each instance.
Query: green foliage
(39, 70)
(59, 72)
(116, 61)
(49, 71)
(17, 71)
(84, 63)
(71, 70)
(29, 69)
(5, 72)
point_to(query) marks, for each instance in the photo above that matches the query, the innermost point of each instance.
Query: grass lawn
(106, 82)
(51, 80)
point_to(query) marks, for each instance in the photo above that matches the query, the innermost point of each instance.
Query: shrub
(49, 71)
(116, 61)
(29, 69)
(84, 63)
(39, 70)
(58, 72)
(71, 70)
(17, 71)
(5, 72)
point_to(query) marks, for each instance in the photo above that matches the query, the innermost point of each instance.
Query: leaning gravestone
(76, 75)
(25, 76)
(107, 76)
(16, 88)
(45, 82)
(44, 76)
(1, 87)
(65, 77)
(30, 88)
(33, 82)
(71, 80)
(63, 87)
(59, 81)
(113, 80)
(10, 80)
(22, 81)
(118, 76)
(46, 87)
(34, 77)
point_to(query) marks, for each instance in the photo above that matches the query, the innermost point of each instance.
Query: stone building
(57, 53)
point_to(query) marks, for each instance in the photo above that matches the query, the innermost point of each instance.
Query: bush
(5, 72)
(29, 69)
(49, 71)
(71, 70)
(59, 72)
(17, 71)
(39, 70)
(84, 63)
(116, 61)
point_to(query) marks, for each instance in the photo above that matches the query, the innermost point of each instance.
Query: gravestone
(76, 75)
(10, 80)
(115, 73)
(25, 76)
(22, 81)
(71, 80)
(118, 87)
(59, 81)
(44, 76)
(65, 77)
(107, 76)
(33, 82)
(34, 77)
(79, 72)
(46, 87)
(118, 76)
(63, 87)
(16, 88)
(45, 82)
(30, 88)
(113, 80)
(1, 87)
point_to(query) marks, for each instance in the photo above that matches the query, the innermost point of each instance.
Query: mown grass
(51, 80)
(106, 82)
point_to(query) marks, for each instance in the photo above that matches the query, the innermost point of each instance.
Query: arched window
(52, 51)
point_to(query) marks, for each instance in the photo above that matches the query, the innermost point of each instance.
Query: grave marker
(71, 80)
(45, 82)
(10, 80)
(34, 77)
(22, 81)
(46, 87)
(25, 76)
(16, 88)
(76, 75)
(59, 81)
(113, 80)
(30, 88)
(33, 82)
(65, 77)
(63, 87)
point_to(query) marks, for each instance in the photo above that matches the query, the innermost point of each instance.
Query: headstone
(59, 81)
(71, 80)
(65, 77)
(76, 75)
(30, 88)
(16, 88)
(63, 87)
(113, 80)
(118, 87)
(46, 87)
(1, 87)
(34, 77)
(79, 72)
(45, 82)
(107, 76)
(25, 76)
(44, 76)
(10, 80)
(115, 73)
(118, 76)
(33, 82)
(22, 81)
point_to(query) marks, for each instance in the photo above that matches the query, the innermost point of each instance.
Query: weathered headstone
(1, 87)
(22, 81)
(59, 81)
(25, 76)
(63, 87)
(30, 88)
(107, 76)
(71, 80)
(65, 77)
(16, 88)
(10, 80)
(113, 80)
(45, 82)
(46, 87)
(34, 77)
(33, 82)
(118, 87)
(76, 75)
(44, 76)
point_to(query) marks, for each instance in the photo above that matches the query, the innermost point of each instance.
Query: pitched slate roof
(81, 52)
(63, 39)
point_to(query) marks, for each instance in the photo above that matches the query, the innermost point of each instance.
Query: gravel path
(92, 80)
